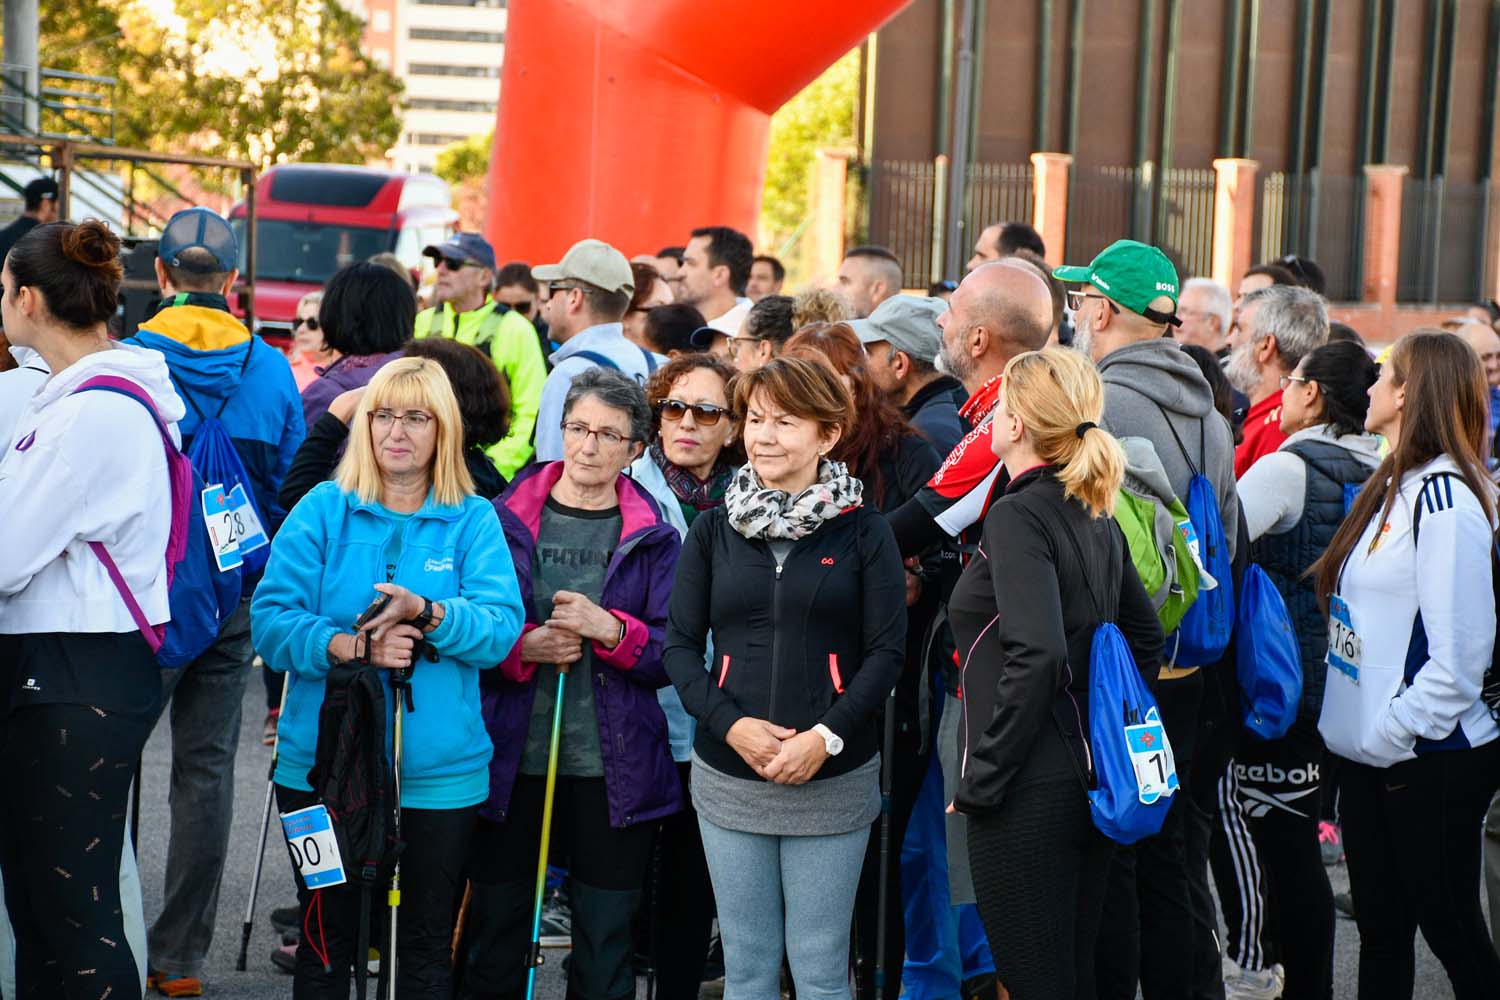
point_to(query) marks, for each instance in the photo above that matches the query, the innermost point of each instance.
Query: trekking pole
(265, 822)
(534, 953)
(887, 777)
(401, 688)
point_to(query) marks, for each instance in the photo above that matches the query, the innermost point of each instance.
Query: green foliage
(821, 116)
(261, 80)
(466, 160)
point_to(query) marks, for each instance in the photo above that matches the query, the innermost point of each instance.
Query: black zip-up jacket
(1025, 621)
(822, 640)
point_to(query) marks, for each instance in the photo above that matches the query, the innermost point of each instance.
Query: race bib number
(1345, 650)
(252, 535)
(1190, 535)
(218, 517)
(1151, 756)
(314, 848)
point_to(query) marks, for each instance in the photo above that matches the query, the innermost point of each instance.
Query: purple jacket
(349, 372)
(640, 779)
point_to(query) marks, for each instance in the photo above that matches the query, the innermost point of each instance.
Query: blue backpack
(1135, 774)
(1268, 657)
(200, 595)
(1204, 633)
(216, 459)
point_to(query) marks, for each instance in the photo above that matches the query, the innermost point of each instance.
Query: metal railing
(1315, 215)
(57, 104)
(1185, 219)
(1442, 241)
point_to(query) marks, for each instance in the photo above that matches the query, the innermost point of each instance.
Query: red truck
(313, 218)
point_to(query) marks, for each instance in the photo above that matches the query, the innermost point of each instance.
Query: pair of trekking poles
(400, 680)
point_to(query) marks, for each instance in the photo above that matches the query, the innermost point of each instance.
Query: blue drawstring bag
(1209, 621)
(1268, 657)
(1134, 770)
(1130, 756)
(200, 595)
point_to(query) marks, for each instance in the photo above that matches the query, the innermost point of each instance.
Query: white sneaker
(1249, 984)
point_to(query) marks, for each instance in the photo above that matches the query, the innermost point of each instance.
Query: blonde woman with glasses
(399, 520)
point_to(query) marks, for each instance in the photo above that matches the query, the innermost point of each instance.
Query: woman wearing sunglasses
(310, 351)
(687, 469)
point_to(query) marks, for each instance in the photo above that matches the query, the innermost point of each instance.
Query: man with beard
(1277, 327)
(1153, 390)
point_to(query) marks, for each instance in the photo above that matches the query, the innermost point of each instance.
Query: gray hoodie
(1143, 379)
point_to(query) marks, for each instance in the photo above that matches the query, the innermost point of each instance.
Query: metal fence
(1317, 216)
(998, 192)
(1101, 208)
(1442, 241)
(903, 196)
(1185, 220)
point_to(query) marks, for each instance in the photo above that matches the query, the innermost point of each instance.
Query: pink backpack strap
(153, 634)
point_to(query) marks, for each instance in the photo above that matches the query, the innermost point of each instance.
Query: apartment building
(448, 53)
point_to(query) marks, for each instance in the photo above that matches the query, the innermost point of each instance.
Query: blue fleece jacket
(324, 564)
(205, 348)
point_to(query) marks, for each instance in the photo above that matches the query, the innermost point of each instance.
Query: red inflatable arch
(635, 121)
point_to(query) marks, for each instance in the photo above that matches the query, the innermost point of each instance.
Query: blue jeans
(945, 944)
(784, 893)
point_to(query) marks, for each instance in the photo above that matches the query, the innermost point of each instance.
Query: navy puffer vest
(1286, 556)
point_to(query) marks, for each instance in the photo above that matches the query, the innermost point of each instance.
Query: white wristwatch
(831, 740)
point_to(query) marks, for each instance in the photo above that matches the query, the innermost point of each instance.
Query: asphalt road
(261, 980)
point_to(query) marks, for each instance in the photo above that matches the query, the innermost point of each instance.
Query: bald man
(867, 277)
(1000, 310)
(1486, 344)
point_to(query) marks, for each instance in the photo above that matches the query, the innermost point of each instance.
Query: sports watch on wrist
(832, 742)
(423, 621)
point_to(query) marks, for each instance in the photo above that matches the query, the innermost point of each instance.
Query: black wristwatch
(423, 621)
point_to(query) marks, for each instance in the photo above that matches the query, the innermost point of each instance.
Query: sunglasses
(704, 414)
(311, 322)
(455, 265)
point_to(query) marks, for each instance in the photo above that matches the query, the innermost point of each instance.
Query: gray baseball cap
(906, 322)
(593, 261)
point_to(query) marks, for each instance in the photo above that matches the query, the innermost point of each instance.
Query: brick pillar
(1049, 215)
(1382, 253)
(1234, 219)
(826, 243)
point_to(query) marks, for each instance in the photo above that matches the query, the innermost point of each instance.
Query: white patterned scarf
(757, 511)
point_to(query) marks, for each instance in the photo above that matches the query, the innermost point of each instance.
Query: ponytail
(1060, 399)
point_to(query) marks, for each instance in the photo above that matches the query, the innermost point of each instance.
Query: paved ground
(262, 981)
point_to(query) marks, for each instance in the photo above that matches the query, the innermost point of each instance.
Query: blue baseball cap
(199, 229)
(462, 248)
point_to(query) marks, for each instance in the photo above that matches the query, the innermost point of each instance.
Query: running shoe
(1249, 984)
(285, 958)
(1330, 843)
(287, 920)
(1344, 904)
(174, 986)
(557, 921)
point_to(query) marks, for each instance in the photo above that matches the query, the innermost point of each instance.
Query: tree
(465, 160)
(261, 80)
(821, 116)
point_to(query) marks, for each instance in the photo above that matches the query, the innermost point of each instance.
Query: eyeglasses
(704, 414)
(578, 433)
(456, 265)
(1077, 297)
(554, 289)
(1287, 380)
(311, 322)
(414, 421)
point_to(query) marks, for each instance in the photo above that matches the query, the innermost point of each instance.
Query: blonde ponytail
(1058, 396)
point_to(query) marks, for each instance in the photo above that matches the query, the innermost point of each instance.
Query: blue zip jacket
(205, 348)
(324, 564)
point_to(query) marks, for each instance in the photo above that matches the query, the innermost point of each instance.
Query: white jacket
(1419, 677)
(86, 467)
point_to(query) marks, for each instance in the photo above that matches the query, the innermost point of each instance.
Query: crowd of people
(717, 631)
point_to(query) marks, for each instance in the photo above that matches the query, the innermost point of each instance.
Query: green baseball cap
(1132, 274)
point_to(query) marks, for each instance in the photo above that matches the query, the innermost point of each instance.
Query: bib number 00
(313, 847)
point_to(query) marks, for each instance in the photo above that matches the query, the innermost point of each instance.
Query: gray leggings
(792, 893)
